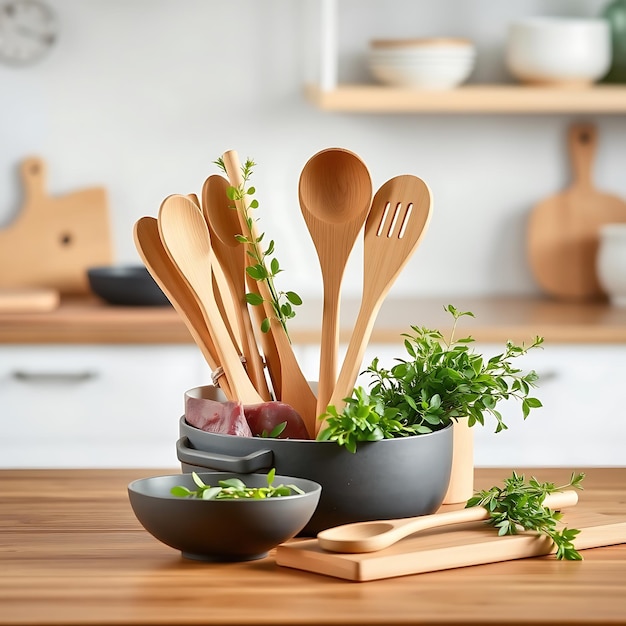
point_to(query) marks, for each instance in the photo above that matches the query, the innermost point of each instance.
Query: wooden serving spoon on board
(397, 221)
(335, 192)
(185, 235)
(373, 536)
(295, 389)
(166, 275)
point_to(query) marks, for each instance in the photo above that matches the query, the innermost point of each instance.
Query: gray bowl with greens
(223, 528)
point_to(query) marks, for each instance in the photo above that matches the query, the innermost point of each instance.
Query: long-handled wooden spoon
(173, 285)
(295, 389)
(398, 219)
(335, 192)
(373, 536)
(221, 289)
(185, 235)
(224, 226)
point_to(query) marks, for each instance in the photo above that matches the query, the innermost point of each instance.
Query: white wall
(140, 96)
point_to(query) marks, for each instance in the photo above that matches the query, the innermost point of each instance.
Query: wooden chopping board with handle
(563, 230)
(449, 547)
(54, 240)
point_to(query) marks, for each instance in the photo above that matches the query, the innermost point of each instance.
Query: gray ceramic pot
(382, 480)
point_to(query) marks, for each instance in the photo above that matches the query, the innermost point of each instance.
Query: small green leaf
(254, 299)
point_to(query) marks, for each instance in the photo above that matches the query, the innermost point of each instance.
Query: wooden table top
(72, 552)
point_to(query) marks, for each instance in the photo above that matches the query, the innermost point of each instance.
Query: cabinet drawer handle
(53, 377)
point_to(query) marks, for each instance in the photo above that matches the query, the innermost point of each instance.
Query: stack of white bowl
(433, 63)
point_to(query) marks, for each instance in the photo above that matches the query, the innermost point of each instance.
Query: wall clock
(28, 29)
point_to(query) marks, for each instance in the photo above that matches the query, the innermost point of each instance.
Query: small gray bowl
(222, 530)
(126, 285)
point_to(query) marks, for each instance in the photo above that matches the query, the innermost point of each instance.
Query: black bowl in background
(129, 285)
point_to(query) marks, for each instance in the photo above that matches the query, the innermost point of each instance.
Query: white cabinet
(582, 421)
(94, 405)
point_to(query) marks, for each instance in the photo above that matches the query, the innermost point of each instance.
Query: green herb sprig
(440, 381)
(235, 489)
(518, 506)
(263, 267)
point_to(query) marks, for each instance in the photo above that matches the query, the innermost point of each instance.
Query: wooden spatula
(396, 223)
(563, 230)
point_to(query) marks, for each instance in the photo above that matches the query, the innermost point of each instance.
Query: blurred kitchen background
(141, 96)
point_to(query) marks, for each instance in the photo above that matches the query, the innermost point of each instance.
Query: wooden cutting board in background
(53, 240)
(462, 545)
(563, 231)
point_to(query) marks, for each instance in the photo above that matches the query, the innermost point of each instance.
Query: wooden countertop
(497, 319)
(72, 552)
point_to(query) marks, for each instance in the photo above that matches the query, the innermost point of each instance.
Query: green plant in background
(518, 506)
(442, 380)
(262, 268)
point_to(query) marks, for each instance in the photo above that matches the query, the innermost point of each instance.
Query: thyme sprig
(262, 267)
(518, 506)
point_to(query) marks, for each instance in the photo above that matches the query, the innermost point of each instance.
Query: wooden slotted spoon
(373, 536)
(295, 389)
(224, 226)
(185, 235)
(335, 192)
(398, 219)
(166, 275)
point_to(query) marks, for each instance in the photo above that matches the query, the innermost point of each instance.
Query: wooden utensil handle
(33, 174)
(583, 141)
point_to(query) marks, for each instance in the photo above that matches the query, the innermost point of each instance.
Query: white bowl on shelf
(439, 63)
(558, 50)
(611, 262)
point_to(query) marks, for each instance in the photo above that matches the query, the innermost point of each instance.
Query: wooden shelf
(497, 318)
(606, 99)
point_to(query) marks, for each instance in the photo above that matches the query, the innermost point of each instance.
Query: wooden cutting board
(563, 230)
(54, 240)
(28, 300)
(447, 548)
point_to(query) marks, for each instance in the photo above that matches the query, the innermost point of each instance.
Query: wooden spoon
(335, 192)
(373, 536)
(223, 298)
(295, 389)
(398, 219)
(224, 226)
(173, 285)
(185, 235)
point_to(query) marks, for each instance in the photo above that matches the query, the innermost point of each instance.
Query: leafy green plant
(234, 489)
(519, 506)
(442, 380)
(262, 267)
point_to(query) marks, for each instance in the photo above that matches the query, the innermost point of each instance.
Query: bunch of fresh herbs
(442, 380)
(519, 506)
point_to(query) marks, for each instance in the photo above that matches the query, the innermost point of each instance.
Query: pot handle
(261, 459)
